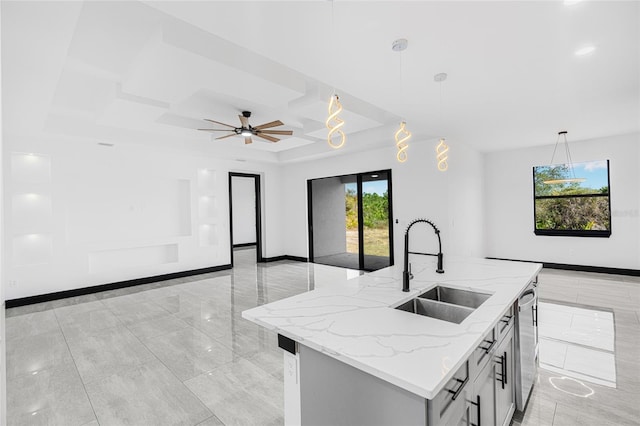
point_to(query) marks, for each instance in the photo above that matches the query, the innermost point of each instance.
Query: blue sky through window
(377, 186)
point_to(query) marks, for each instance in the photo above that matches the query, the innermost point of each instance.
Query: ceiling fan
(247, 130)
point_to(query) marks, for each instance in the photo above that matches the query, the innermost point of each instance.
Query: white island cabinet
(352, 358)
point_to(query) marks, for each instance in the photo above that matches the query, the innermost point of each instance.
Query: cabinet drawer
(482, 353)
(451, 398)
(506, 322)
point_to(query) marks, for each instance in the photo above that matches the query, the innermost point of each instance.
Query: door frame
(258, 202)
(358, 176)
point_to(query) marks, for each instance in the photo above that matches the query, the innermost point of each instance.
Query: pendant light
(572, 175)
(335, 123)
(402, 135)
(336, 137)
(442, 148)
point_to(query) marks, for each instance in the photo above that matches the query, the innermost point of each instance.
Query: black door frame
(258, 201)
(360, 215)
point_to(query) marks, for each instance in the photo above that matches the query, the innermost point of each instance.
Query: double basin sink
(445, 303)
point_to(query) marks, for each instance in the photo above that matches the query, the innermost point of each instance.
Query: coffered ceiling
(150, 72)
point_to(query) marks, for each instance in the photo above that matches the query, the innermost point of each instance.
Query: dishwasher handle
(528, 303)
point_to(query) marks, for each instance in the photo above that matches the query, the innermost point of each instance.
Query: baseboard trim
(244, 245)
(14, 303)
(581, 268)
(285, 257)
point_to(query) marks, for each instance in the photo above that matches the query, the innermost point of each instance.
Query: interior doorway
(350, 220)
(245, 213)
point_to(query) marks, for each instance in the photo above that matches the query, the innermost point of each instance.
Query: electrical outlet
(13, 283)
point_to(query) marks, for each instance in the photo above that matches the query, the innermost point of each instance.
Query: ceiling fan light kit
(246, 130)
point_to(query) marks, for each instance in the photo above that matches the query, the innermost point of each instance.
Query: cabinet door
(482, 410)
(504, 383)
(461, 418)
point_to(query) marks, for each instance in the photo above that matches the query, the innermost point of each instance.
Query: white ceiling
(149, 72)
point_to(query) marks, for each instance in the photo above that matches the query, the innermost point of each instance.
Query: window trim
(571, 232)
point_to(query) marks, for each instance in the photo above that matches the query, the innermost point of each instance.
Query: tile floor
(179, 353)
(582, 304)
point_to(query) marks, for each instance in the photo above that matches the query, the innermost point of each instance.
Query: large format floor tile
(605, 356)
(157, 327)
(54, 396)
(179, 353)
(34, 353)
(240, 393)
(146, 395)
(86, 323)
(189, 352)
(133, 313)
(107, 352)
(29, 325)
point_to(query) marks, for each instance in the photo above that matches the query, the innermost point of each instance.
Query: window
(572, 202)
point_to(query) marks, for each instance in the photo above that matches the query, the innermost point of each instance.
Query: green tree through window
(580, 208)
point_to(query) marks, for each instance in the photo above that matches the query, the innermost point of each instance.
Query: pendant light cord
(440, 118)
(400, 79)
(567, 152)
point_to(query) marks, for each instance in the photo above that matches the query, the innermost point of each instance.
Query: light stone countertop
(354, 321)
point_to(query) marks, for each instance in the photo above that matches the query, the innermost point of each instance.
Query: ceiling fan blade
(247, 140)
(227, 136)
(267, 137)
(268, 125)
(244, 120)
(276, 132)
(217, 122)
(216, 130)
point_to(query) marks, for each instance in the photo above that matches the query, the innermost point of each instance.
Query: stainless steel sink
(437, 310)
(471, 299)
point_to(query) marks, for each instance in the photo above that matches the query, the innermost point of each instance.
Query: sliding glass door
(350, 221)
(376, 223)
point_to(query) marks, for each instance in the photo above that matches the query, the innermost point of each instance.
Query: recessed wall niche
(30, 168)
(131, 258)
(31, 213)
(208, 235)
(207, 207)
(207, 180)
(32, 249)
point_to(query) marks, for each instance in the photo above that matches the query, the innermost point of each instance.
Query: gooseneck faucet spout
(406, 274)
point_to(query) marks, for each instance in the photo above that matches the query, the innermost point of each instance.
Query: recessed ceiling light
(585, 50)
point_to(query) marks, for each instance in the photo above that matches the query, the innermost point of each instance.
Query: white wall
(3, 366)
(509, 206)
(244, 209)
(79, 214)
(329, 219)
(450, 199)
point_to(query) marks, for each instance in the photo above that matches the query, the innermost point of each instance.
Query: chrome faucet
(406, 274)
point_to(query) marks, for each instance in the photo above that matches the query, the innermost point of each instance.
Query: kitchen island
(352, 358)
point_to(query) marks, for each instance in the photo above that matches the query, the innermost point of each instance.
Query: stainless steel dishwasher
(526, 344)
